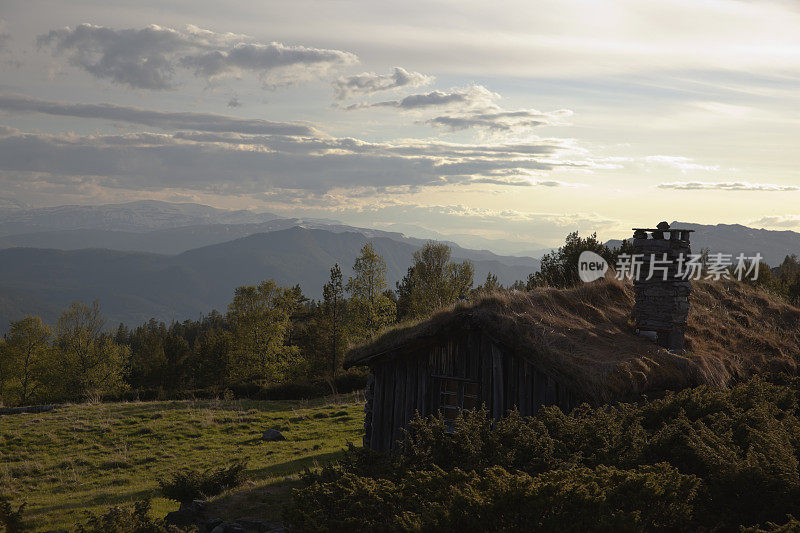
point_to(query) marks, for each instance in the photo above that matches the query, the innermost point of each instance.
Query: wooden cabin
(548, 347)
(461, 358)
(458, 369)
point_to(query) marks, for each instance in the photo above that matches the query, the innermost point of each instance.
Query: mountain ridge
(135, 286)
(773, 245)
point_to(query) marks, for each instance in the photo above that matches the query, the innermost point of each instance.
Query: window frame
(463, 396)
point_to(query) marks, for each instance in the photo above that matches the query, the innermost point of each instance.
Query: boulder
(272, 435)
(189, 514)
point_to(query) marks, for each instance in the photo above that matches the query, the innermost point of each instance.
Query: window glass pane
(470, 403)
(455, 394)
(449, 399)
(449, 385)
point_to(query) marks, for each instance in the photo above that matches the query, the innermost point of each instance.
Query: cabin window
(455, 394)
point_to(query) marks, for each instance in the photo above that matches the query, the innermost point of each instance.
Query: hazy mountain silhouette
(170, 228)
(734, 239)
(142, 215)
(134, 286)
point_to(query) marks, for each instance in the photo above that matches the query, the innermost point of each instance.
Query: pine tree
(333, 315)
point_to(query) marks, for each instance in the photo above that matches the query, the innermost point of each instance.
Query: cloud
(727, 186)
(472, 107)
(243, 164)
(474, 96)
(519, 226)
(777, 221)
(368, 83)
(499, 120)
(160, 119)
(289, 63)
(148, 58)
(684, 164)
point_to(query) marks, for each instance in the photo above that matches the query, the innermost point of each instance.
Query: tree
(433, 281)
(331, 323)
(147, 364)
(27, 356)
(370, 310)
(260, 322)
(90, 362)
(212, 358)
(518, 285)
(560, 268)
(792, 289)
(490, 285)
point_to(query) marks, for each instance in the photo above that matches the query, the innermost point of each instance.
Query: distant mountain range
(133, 216)
(176, 261)
(135, 286)
(170, 228)
(734, 239)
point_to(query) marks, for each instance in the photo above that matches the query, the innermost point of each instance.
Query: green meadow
(81, 459)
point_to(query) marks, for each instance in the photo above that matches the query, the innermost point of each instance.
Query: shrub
(191, 485)
(575, 499)
(127, 520)
(700, 458)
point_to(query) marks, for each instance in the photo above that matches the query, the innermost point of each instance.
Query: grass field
(82, 458)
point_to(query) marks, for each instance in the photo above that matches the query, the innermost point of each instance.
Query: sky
(519, 121)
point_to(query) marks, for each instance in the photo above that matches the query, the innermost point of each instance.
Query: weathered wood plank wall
(409, 381)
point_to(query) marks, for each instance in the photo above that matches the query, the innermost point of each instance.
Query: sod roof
(583, 336)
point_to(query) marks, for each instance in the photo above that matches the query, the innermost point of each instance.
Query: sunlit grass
(82, 458)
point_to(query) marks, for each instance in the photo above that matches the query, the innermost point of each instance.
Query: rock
(188, 514)
(272, 435)
(210, 525)
(197, 506)
(180, 518)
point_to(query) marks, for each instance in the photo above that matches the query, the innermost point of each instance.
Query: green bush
(127, 520)
(191, 485)
(701, 458)
(575, 499)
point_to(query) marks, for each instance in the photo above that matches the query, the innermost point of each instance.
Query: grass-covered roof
(584, 337)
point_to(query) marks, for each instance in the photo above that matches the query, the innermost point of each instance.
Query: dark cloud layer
(220, 163)
(159, 119)
(148, 58)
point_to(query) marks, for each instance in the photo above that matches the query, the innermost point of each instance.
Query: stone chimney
(662, 302)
